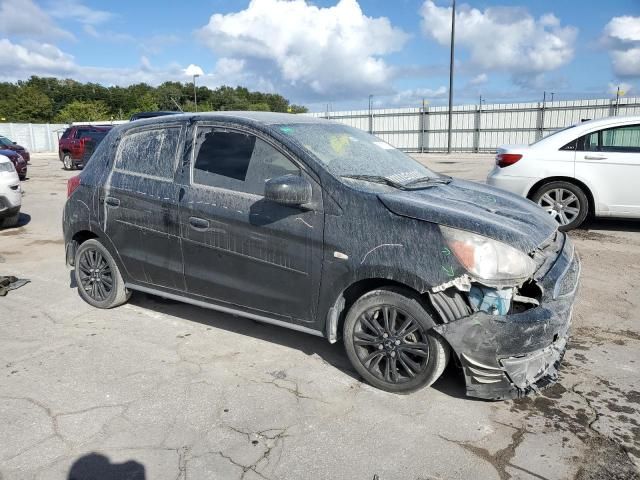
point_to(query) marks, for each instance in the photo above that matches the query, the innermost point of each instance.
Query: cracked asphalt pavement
(161, 390)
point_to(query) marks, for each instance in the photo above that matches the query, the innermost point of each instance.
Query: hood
(478, 208)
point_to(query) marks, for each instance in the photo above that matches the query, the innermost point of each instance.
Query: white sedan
(10, 193)
(589, 168)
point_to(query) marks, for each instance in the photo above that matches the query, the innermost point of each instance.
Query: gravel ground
(162, 390)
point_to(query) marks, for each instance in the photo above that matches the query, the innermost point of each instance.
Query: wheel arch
(578, 183)
(345, 299)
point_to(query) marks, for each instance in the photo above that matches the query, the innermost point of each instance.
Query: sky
(334, 53)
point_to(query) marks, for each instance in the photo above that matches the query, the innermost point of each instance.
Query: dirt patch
(594, 236)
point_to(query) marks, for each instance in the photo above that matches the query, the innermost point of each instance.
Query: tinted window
(150, 152)
(5, 141)
(237, 161)
(621, 139)
(225, 154)
(66, 133)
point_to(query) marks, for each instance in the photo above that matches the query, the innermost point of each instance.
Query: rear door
(139, 205)
(239, 248)
(609, 159)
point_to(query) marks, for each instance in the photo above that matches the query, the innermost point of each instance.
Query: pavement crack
(501, 459)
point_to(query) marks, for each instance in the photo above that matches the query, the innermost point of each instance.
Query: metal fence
(35, 137)
(478, 128)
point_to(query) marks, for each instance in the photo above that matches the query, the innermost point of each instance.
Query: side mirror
(292, 190)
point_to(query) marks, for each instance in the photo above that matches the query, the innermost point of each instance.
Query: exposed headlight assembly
(487, 259)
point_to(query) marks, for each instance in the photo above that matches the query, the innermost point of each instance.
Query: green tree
(79, 111)
(28, 104)
(41, 99)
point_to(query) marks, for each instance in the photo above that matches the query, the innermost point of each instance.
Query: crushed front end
(510, 342)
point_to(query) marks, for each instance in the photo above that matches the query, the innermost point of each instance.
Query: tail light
(506, 159)
(72, 184)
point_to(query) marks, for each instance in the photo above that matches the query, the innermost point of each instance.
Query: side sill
(219, 308)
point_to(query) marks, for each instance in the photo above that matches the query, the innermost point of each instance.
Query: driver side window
(237, 161)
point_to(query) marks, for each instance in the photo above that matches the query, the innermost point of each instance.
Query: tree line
(46, 100)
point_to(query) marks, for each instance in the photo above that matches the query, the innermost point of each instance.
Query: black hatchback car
(322, 228)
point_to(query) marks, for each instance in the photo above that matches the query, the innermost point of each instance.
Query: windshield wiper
(375, 179)
(442, 180)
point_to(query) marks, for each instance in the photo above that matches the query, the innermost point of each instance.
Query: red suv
(7, 144)
(78, 142)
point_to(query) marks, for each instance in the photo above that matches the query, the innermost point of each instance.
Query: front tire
(565, 202)
(99, 281)
(389, 338)
(67, 162)
(8, 222)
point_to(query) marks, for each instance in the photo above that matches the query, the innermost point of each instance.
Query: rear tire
(390, 340)
(565, 202)
(67, 162)
(99, 281)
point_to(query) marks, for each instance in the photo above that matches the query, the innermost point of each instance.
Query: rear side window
(621, 139)
(618, 139)
(66, 133)
(150, 152)
(237, 161)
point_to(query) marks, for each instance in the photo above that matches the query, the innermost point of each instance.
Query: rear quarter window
(150, 152)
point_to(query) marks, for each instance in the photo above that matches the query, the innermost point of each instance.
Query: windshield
(347, 151)
(5, 141)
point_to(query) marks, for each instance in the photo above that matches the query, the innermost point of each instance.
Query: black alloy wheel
(95, 275)
(390, 340)
(391, 344)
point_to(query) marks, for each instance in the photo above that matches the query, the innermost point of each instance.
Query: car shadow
(611, 224)
(95, 466)
(333, 354)
(23, 220)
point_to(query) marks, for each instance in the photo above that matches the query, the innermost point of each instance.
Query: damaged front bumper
(509, 356)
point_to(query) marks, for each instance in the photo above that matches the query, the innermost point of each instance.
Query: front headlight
(488, 259)
(7, 167)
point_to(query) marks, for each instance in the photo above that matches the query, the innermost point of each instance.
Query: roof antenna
(176, 104)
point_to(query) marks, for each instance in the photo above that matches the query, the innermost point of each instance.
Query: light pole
(552, 94)
(195, 94)
(371, 114)
(451, 56)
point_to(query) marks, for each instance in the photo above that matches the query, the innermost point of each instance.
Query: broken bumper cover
(510, 356)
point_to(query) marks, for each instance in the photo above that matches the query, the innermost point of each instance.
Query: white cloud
(74, 9)
(480, 79)
(622, 38)
(626, 28)
(192, 70)
(332, 52)
(22, 61)
(507, 39)
(23, 18)
(414, 96)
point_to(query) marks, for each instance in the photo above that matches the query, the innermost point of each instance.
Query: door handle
(198, 223)
(595, 157)
(112, 201)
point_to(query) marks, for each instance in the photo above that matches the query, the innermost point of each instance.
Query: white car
(10, 193)
(589, 168)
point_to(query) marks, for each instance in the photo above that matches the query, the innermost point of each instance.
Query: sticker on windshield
(383, 145)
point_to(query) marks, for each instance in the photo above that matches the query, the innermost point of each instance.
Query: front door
(610, 160)
(239, 248)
